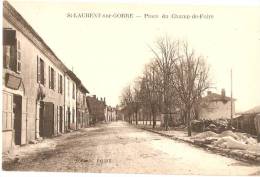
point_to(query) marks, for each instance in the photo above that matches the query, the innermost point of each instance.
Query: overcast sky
(108, 54)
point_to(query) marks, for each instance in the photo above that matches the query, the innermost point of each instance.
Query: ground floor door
(17, 112)
(68, 112)
(46, 119)
(61, 119)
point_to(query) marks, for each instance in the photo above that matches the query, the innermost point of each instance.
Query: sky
(107, 54)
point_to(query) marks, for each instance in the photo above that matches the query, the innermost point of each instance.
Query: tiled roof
(255, 110)
(216, 97)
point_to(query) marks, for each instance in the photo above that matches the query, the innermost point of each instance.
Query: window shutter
(49, 77)
(58, 76)
(61, 84)
(19, 56)
(54, 80)
(38, 69)
(9, 37)
(44, 74)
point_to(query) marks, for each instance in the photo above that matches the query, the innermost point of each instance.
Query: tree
(127, 102)
(191, 79)
(165, 54)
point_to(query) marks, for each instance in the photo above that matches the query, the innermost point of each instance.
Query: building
(71, 82)
(96, 109)
(82, 108)
(33, 83)
(216, 106)
(248, 121)
(110, 114)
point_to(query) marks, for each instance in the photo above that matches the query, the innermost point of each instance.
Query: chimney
(223, 93)
(104, 99)
(101, 99)
(209, 92)
(94, 96)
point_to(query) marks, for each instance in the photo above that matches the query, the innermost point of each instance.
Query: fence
(245, 123)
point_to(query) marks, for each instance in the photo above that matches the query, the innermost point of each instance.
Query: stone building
(82, 108)
(39, 91)
(96, 109)
(71, 82)
(33, 83)
(216, 106)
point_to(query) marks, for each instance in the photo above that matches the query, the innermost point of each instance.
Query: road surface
(118, 147)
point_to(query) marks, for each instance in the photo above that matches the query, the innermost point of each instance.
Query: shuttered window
(40, 71)
(51, 78)
(18, 56)
(10, 51)
(60, 82)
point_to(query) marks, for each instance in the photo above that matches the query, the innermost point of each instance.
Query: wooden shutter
(9, 37)
(49, 77)
(61, 84)
(38, 69)
(58, 76)
(54, 79)
(44, 74)
(19, 56)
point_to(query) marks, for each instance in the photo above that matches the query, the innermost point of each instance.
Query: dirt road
(120, 148)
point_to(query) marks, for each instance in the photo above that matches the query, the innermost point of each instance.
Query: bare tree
(190, 80)
(127, 102)
(165, 57)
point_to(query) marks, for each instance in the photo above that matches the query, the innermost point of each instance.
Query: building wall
(217, 110)
(70, 103)
(81, 109)
(29, 53)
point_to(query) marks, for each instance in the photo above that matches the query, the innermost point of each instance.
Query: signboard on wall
(12, 81)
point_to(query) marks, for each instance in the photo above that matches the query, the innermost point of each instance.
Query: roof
(83, 88)
(217, 97)
(73, 76)
(255, 110)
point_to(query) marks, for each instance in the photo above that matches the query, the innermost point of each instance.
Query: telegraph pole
(231, 114)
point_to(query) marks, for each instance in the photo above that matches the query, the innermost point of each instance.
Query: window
(68, 83)
(60, 82)
(51, 78)
(18, 56)
(11, 51)
(73, 91)
(40, 71)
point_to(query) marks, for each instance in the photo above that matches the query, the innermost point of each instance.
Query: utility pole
(231, 114)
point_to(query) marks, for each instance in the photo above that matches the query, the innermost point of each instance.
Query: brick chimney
(223, 93)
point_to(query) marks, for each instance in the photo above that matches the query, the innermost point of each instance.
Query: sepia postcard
(110, 87)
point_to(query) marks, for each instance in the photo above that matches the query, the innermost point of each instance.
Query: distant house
(82, 109)
(216, 106)
(71, 82)
(96, 109)
(110, 114)
(248, 122)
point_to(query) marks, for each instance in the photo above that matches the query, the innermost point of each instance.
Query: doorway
(17, 111)
(46, 119)
(61, 119)
(68, 118)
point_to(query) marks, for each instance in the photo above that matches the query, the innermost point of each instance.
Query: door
(68, 118)
(17, 111)
(46, 119)
(61, 119)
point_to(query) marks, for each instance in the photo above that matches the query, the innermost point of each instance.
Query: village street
(118, 147)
